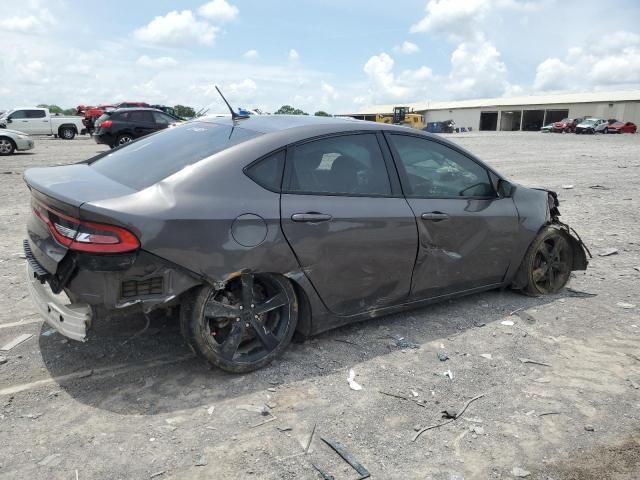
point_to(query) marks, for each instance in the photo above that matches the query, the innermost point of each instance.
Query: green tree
(289, 110)
(184, 111)
(70, 111)
(321, 113)
(54, 109)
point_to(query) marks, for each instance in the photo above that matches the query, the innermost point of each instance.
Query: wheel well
(304, 309)
(67, 125)
(10, 139)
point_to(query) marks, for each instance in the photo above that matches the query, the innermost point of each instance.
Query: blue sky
(332, 55)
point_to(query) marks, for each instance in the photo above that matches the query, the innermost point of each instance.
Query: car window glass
(18, 114)
(346, 164)
(145, 162)
(436, 171)
(142, 116)
(268, 171)
(36, 114)
(162, 119)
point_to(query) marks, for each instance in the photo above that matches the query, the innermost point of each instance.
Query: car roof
(274, 123)
(136, 109)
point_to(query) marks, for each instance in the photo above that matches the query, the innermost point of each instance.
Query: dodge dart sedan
(266, 226)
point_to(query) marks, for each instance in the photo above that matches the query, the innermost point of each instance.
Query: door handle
(435, 216)
(311, 217)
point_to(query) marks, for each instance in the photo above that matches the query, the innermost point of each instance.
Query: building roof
(549, 99)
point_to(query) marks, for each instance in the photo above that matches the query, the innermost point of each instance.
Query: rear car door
(467, 232)
(38, 123)
(344, 216)
(141, 122)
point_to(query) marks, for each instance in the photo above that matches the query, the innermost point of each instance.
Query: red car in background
(566, 125)
(91, 114)
(622, 127)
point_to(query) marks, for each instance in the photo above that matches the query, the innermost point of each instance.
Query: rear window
(151, 159)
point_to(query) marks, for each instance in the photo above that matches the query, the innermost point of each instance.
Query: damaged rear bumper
(71, 320)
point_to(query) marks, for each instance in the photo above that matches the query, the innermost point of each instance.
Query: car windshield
(151, 159)
(589, 121)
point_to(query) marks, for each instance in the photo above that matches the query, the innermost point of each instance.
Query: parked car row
(121, 126)
(590, 126)
(91, 114)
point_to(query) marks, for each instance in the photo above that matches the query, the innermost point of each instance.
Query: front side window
(18, 114)
(434, 170)
(345, 164)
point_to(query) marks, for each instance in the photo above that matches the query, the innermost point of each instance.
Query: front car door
(20, 121)
(467, 232)
(349, 226)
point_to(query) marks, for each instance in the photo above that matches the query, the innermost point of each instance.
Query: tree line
(185, 111)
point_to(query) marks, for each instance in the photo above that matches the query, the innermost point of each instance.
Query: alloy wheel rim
(246, 321)
(552, 264)
(124, 140)
(67, 133)
(5, 146)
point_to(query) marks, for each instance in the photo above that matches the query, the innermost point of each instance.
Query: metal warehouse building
(522, 113)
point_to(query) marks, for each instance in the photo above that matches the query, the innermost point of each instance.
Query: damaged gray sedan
(262, 227)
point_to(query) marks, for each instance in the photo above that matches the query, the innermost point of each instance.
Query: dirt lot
(143, 407)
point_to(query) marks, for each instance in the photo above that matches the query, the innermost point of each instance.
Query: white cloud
(33, 72)
(614, 63)
(37, 22)
(451, 16)
(218, 10)
(158, 62)
(294, 55)
(177, 29)
(477, 71)
(384, 86)
(251, 54)
(407, 48)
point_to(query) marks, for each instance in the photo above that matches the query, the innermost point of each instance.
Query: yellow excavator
(402, 116)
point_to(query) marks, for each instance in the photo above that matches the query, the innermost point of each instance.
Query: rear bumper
(71, 320)
(104, 139)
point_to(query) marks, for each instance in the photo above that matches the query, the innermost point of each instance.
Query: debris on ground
(544, 414)
(516, 311)
(448, 374)
(534, 362)
(325, 475)
(210, 410)
(157, 474)
(527, 317)
(453, 419)
(589, 428)
(608, 251)
(486, 355)
(284, 429)
(477, 429)
(626, 305)
(3, 360)
(567, 187)
(402, 342)
(201, 462)
(633, 384)
(51, 460)
(259, 424)
(599, 187)
(353, 385)
(520, 472)
(347, 457)
(16, 341)
(313, 431)
(579, 293)
(442, 356)
(508, 323)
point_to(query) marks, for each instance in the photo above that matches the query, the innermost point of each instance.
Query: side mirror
(505, 189)
(9, 120)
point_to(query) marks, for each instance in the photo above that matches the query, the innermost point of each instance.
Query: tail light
(85, 236)
(106, 124)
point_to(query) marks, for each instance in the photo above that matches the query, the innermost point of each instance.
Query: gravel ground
(143, 407)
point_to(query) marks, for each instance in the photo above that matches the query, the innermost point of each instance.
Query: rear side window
(267, 172)
(341, 165)
(36, 114)
(145, 162)
(141, 116)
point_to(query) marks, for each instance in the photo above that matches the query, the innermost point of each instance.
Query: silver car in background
(12, 140)
(589, 125)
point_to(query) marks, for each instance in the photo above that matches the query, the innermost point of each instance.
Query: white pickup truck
(38, 121)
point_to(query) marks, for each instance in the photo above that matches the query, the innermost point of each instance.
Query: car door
(347, 222)
(467, 232)
(142, 122)
(19, 121)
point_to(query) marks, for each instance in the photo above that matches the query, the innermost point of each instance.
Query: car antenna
(234, 115)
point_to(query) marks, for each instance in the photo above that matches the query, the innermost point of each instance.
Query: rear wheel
(67, 133)
(243, 327)
(7, 147)
(548, 262)
(123, 139)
